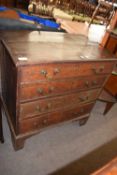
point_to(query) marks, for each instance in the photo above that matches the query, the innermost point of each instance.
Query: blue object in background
(42, 21)
(14, 24)
(2, 8)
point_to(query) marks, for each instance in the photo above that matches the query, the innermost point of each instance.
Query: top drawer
(63, 70)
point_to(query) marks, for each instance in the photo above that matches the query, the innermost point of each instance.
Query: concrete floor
(58, 146)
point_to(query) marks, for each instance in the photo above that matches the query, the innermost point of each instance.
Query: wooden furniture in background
(109, 169)
(49, 78)
(8, 3)
(111, 44)
(70, 7)
(22, 4)
(109, 93)
(113, 24)
(15, 3)
(106, 8)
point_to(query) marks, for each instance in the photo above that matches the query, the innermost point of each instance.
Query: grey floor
(59, 146)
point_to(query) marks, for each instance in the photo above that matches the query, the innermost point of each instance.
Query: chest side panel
(9, 84)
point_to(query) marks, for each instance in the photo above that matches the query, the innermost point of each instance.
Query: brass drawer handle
(94, 82)
(38, 108)
(83, 98)
(87, 83)
(49, 105)
(43, 72)
(95, 70)
(45, 121)
(40, 90)
(98, 70)
(101, 68)
(56, 71)
(81, 111)
(51, 89)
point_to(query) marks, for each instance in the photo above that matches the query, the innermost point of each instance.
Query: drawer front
(61, 71)
(52, 104)
(50, 88)
(36, 123)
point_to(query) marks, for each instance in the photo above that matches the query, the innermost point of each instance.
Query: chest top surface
(33, 47)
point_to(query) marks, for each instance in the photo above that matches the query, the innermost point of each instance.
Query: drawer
(36, 123)
(65, 70)
(50, 88)
(39, 107)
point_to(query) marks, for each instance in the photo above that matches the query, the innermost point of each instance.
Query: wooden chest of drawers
(112, 43)
(48, 78)
(109, 169)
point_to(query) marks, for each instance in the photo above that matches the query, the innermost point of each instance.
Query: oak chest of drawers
(48, 78)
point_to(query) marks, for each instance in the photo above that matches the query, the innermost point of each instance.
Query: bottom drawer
(36, 123)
